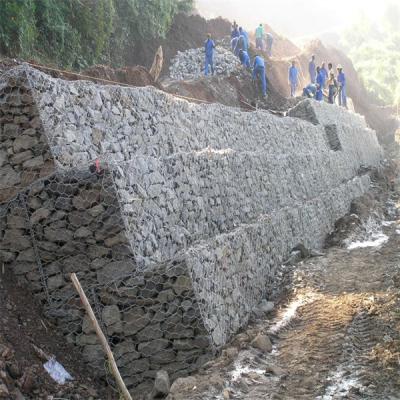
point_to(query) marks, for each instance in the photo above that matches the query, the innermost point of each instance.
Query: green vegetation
(375, 52)
(79, 33)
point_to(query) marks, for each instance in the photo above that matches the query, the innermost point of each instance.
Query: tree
(78, 33)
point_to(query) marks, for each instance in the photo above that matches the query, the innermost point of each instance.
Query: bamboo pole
(102, 338)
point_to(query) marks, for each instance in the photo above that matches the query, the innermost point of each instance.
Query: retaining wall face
(71, 222)
(24, 153)
(179, 236)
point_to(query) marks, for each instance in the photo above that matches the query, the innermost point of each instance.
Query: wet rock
(262, 342)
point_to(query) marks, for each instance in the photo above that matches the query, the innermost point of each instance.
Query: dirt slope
(22, 375)
(187, 32)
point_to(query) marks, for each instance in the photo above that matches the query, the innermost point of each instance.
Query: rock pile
(190, 64)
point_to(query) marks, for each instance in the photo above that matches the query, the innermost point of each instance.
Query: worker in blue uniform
(244, 59)
(312, 69)
(320, 78)
(259, 72)
(310, 91)
(325, 73)
(245, 35)
(293, 78)
(209, 47)
(234, 44)
(319, 94)
(341, 79)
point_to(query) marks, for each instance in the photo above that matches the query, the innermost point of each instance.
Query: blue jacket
(311, 88)
(258, 62)
(246, 37)
(270, 38)
(209, 46)
(325, 73)
(293, 74)
(312, 68)
(341, 78)
(319, 95)
(235, 33)
(321, 79)
(244, 58)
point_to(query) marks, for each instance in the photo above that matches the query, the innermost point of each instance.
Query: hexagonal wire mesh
(55, 221)
(173, 242)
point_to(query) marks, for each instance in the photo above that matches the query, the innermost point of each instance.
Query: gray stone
(58, 235)
(183, 284)
(9, 177)
(161, 385)
(111, 315)
(26, 255)
(24, 142)
(114, 271)
(39, 215)
(82, 233)
(262, 342)
(55, 282)
(153, 347)
(150, 332)
(134, 321)
(33, 163)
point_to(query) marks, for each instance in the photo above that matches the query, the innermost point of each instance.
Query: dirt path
(338, 337)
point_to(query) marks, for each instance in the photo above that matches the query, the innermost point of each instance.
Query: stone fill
(189, 64)
(175, 216)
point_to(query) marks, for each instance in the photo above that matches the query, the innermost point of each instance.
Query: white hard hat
(339, 66)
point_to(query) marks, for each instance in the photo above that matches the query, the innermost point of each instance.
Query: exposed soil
(22, 326)
(236, 90)
(337, 336)
(187, 32)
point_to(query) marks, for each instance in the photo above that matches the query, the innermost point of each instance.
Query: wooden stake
(101, 337)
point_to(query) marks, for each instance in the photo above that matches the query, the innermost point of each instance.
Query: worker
(312, 70)
(234, 43)
(341, 78)
(245, 36)
(319, 94)
(330, 69)
(293, 78)
(244, 59)
(321, 81)
(259, 72)
(270, 41)
(260, 37)
(333, 88)
(209, 47)
(235, 32)
(325, 73)
(310, 90)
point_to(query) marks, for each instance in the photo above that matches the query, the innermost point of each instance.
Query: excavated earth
(337, 336)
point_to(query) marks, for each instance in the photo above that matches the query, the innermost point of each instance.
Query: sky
(294, 18)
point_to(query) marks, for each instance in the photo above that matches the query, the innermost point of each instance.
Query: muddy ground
(337, 333)
(24, 334)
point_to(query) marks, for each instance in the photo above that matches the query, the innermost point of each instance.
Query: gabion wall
(175, 216)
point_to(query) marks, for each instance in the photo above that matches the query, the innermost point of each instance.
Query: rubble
(190, 63)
